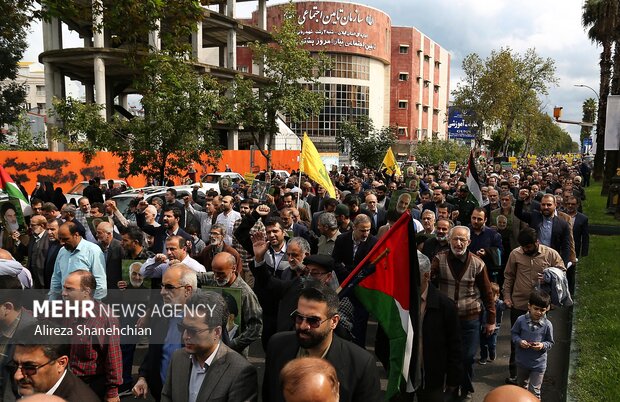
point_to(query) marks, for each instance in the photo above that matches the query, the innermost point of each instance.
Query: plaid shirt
(93, 355)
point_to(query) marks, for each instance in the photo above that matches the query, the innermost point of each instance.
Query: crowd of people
(517, 250)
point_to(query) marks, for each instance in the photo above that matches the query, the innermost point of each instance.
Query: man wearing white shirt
(228, 217)
(176, 251)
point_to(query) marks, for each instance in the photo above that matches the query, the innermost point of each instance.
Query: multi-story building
(397, 76)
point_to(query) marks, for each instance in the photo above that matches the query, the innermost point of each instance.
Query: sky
(552, 27)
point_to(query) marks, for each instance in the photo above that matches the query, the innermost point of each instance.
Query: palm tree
(600, 19)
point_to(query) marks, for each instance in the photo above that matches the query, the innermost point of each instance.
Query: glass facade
(342, 101)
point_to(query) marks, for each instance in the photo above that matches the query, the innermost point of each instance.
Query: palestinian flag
(15, 195)
(472, 180)
(391, 293)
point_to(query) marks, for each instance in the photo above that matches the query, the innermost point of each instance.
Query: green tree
(437, 152)
(181, 108)
(589, 116)
(502, 90)
(367, 144)
(600, 19)
(15, 18)
(291, 71)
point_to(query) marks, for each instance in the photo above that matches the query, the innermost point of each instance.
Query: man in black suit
(316, 318)
(581, 234)
(349, 250)
(113, 252)
(378, 215)
(40, 363)
(441, 340)
(170, 227)
(37, 249)
(552, 230)
(206, 369)
(54, 247)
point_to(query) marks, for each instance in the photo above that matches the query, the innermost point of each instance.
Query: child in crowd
(488, 343)
(532, 335)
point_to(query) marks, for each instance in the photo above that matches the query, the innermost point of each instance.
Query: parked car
(76, 192)
(211, 181)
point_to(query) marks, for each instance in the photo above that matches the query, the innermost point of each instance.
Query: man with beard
(228, 217)
(383, 200)
(552, 231)
(54, 247)
(169, 228)
(486, 243)
(523, 270)
(225, 275)
(315, 319)
(77, 254)
(205, 218)
(216, 246)
(113, 253)
(37, 250)
(428, 222)
(176, 252)
(462, 276)
(178, 284)
(581, 234)
(439, 243)
(205, 369)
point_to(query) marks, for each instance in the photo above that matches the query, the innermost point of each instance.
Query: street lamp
(592, 89)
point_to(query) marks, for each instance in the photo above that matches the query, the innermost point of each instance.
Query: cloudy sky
(552, 27)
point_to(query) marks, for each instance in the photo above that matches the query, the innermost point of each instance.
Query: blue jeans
(470, 338)
(487, 345)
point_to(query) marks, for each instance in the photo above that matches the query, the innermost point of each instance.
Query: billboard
(457, 127)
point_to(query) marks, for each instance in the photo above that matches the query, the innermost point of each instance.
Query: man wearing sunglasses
(315, 319)
(40, 365)
(206, 369)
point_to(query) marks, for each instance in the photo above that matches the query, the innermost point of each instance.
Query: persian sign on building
(342, 27)
(457, 127)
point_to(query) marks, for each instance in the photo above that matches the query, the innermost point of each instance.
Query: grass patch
(597, 324)
(595, 206)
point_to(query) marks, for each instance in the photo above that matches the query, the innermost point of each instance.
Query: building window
(436, 88)
(243, 69)
(427, 57)
(403, 49)
(402, 131)
(402, 104)
(40, 90)
(348, 66)
(403, 77)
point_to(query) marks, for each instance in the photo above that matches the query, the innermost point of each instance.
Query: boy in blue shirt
(532, 335)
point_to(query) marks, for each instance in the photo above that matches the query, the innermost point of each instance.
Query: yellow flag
(311, 164)
(389, 161)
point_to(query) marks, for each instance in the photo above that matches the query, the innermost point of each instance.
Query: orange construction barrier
(65, 169)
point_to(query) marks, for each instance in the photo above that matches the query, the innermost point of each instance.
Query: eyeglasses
(28, 370)
(168, 286)
(191, 331)
(313, 322)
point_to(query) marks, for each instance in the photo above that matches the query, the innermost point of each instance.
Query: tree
(181, 108)
(600, 19)
(15, 18)
(468, 97)
(368, 145)
(436, 152)
(503, 89)
(589, 116)
(291, 71)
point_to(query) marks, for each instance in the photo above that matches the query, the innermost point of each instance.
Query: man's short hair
(482, 210)
(49, 207)
(302, 243)
(14, 286)
(87, 280)
(220, 227)
(180, 241)
(315, 291)
(175, 211)
(328, 219)
(73, 228)
(295, 372)
(157, 200)
(211, 306)
(135, 234)
(69, 209)
(273, 221)
(527, 236)
(361, 218)
(172, 191)
(465, 228)
(188, 275)
(53, 346)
